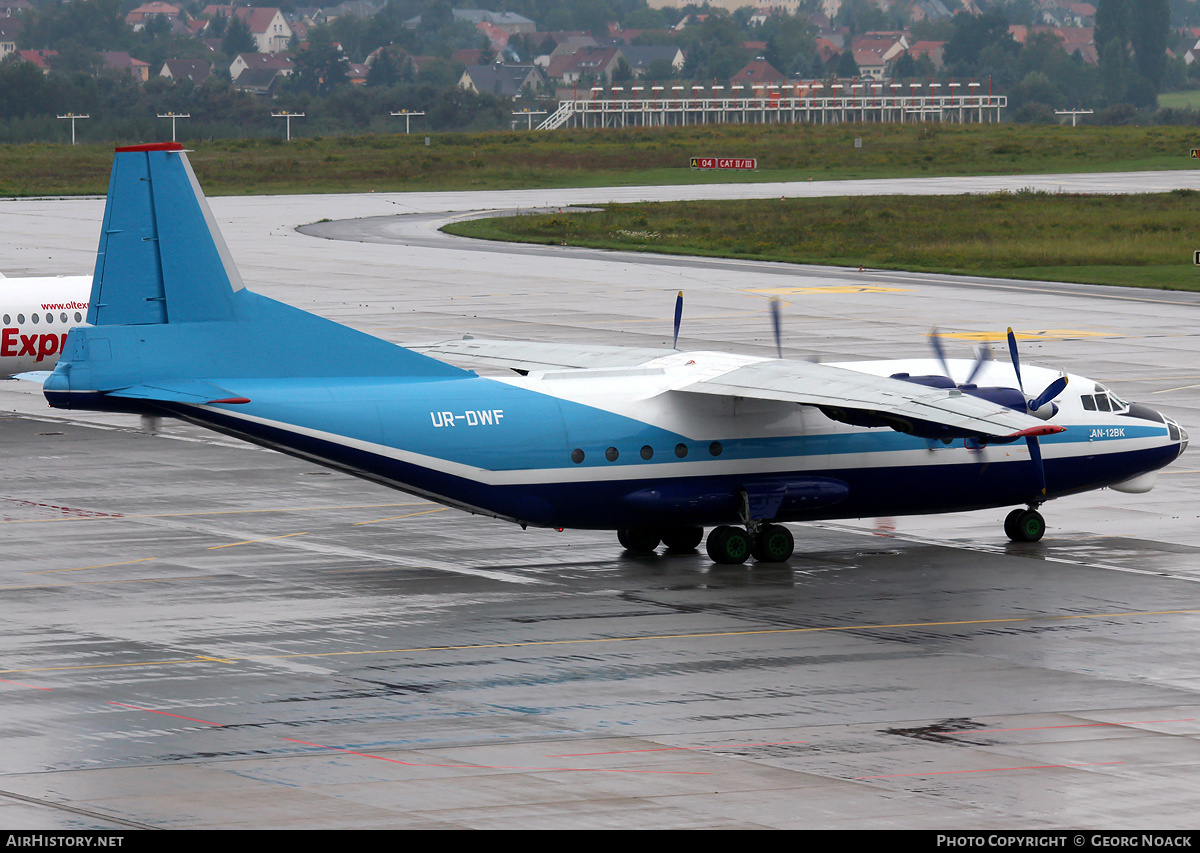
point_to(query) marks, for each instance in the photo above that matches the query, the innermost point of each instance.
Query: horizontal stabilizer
(38, 376)
(185, 391)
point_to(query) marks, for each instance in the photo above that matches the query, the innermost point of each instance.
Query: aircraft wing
(524, 356)
(848, 394)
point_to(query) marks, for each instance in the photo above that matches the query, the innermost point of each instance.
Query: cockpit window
(1106, 401)
(1089, 402)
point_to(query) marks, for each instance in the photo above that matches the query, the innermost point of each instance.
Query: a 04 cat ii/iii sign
(724, 163)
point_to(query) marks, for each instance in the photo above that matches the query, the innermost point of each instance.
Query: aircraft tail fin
(169, 312)
(161, 257)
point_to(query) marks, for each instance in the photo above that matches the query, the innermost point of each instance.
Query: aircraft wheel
(1029, 526)
(1010, 524)
(684, 538)
(728, 545)
(637, 540)
(775, 544)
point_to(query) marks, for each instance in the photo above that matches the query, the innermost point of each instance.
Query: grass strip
(615, 157)
(1133, 240)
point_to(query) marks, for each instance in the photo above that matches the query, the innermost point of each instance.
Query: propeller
(678, 319)
(1032, 406)
(1049, 393)
(1039, 406)
(775, 325)
(983, 354)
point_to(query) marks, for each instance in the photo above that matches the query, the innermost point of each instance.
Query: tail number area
(470, 417)
(1106, 432)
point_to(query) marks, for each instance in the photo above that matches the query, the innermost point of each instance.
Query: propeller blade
(678, 319)
(1035, 456)
(936, 343)
(1052, 390)
(983, 354)
(1016, 359)
(775, 323)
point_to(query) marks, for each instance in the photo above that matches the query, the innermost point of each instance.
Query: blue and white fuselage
(656, 444)
(573, 449)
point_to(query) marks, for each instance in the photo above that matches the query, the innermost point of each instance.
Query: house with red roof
(935, 50)
(758, 71)
(278, 63)
(139, 17)
(38, 58)
(119, 60)
(270, 28)
(595, 63)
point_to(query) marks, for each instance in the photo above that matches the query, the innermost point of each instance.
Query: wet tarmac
(199, 633)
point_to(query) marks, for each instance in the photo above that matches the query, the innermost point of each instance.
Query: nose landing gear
(1024, 525)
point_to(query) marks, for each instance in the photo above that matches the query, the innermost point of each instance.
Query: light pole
(173, 117)
(407, 118)
(74, 118)
(289, 116)
(530, 114)
(1074, 114)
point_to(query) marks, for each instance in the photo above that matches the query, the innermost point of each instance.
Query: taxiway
(199, 633)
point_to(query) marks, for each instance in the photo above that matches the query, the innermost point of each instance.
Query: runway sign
(724, 163)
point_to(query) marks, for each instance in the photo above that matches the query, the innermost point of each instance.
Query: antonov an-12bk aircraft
(655, 444)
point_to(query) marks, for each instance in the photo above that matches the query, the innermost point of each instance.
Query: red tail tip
(151, 146)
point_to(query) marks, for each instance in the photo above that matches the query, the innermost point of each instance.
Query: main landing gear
(1024, 525)
(771, 543)
(643, 540)
(726, 544)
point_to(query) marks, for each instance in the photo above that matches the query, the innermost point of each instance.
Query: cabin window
(78, 317)
(63, 316)
(715, 448)
(7, 319)
(20, 319)
(576, 455)
(681, 450)
(49, 317)
(33, 318)
(611, 454)
(647, 452)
